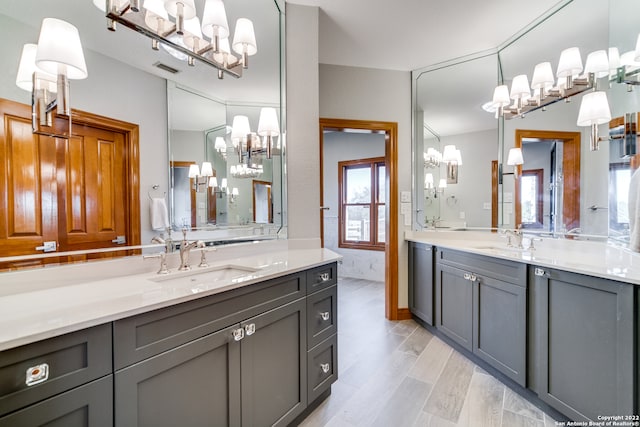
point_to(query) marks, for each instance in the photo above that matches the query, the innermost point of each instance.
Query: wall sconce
(234, 195)
(241, 135)
(56, 59)
(515, 159)
(200, 177)
(213, 184)
(221, 146)
(432, 158)
(594, 111)
(268, 127)
(431, 189)
(453, 158)
(172, 24)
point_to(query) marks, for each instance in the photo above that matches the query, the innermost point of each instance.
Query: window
(531, 198)
(362, 194)
(619, 182)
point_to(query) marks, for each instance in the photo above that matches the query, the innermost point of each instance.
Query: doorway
(389, 131)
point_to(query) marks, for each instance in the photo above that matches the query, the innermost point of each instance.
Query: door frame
(390, 129)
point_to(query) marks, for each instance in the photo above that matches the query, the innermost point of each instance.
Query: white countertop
(48, 302)
(599, 259)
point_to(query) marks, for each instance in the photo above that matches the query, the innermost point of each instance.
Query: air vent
(166, 68)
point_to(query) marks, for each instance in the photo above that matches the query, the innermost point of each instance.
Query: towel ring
(155, 187)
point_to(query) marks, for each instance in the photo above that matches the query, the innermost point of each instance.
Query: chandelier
(175, 25)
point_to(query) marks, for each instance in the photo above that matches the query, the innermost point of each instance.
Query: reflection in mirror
(448, 112)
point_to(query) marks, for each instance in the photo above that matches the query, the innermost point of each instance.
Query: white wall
(337, 147)
(113, 89)
(380, 95)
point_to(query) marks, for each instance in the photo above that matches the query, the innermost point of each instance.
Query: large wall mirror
(562, 187)
(181, 110)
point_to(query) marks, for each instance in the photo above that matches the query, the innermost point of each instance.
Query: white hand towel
(159, 214)
(634, 212)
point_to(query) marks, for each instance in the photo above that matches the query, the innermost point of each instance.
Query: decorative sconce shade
(220, 145)
(501, 96)
(192, 26)
(542, 79)
(213, 182)
(156, 15)
(594, 110)
(597, 63)
(570, 64)
(514, 157)
(102, 4)
(194, 171)
(181, 10)
(614, 60)
(428, 180)
(207, 169)
(240, 127)
(214, 22)
(26, 68)
(432, 158)
(443, 183)
(449, 153)
(224, 55)
(268, 126)
(60, 50)
(637, 56)
(223, 184)
(244, 40)
(520, 87)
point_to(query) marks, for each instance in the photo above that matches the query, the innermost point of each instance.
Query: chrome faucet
(517, 237)
(185, 249)
(167, 241)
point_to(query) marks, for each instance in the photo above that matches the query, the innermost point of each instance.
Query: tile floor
(399, 374)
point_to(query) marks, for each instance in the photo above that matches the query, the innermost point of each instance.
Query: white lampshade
(60, 50)
(501, 96)
(515, 157)
(597, 63)
(244, 37)
(26, 68)
(235, 192)
(428, 180)
(224, 55)
(193, 31)
(220, 144)
(155, 14)
(594, 109)
(433, 154)
(207, 169)
(213, 182)
(637, 56)
(194, 171)
(542, 77)
(240, 127)
(442, 183)
(102, 4)
(520, 87)
(188, 8)
(449, 153)
(233, 170)
(268, 123)
(214, 20)
(223, 184)
(570, 63)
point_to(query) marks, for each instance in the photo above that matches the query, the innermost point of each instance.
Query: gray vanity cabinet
(421, 275)
(481, 303)
(586, 344)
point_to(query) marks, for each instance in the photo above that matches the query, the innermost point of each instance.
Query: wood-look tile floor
(398, 374)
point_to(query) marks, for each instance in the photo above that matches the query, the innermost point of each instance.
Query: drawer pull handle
(473, 278)
(250, 329)
(467, 276)
(325, 315)
(37, 374)
(539, 272)
(325, 277)
(238, 334)
(325, 367)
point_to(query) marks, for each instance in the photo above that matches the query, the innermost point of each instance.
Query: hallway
(399, 374)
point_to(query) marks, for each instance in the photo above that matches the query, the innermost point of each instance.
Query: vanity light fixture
(542, 81)
(268, 127)
(241, 135)
(200, 176)
(452, 157)
(501, 99)
(244, 171)
(49, 65)
(213, 184)
(220, 145)
(570, 65)
(173, 23)
(432, 159)
(594, 111)
(520, 91)
(515, 159)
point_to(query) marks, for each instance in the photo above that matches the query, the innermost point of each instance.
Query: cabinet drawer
(322, 367)
(140, 337)
(87, 405)
(322, 277)
(322, 315)
(501, 269)
(66, 361)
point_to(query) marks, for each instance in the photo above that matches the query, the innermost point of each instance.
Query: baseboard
(404, 314)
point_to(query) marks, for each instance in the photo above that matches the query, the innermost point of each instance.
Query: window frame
(373, 164)
(539, 175)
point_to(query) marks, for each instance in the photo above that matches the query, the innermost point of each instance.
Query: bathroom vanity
(558, 322)
(248, 341)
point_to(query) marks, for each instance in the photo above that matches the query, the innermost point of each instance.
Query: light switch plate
(405, 196)
(486, 206)
(405, 208)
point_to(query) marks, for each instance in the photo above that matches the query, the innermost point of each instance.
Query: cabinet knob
(37, 374)
(473, 277)
(466, 276)
(325, 315)
(325, 367)
(539, 272)
(250, 329)
(325, 277)
(238, 334)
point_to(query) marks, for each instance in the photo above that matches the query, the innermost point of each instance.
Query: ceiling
(411, 34)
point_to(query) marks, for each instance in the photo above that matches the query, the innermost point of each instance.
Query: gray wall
(340, 146)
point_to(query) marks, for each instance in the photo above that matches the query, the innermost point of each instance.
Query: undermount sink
(204, 278)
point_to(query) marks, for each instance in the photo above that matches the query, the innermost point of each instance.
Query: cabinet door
(586, 344)
(90, 405)
(274, 366)
(421, 281)
(454, 298)
(499, 326)
(196, 384)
